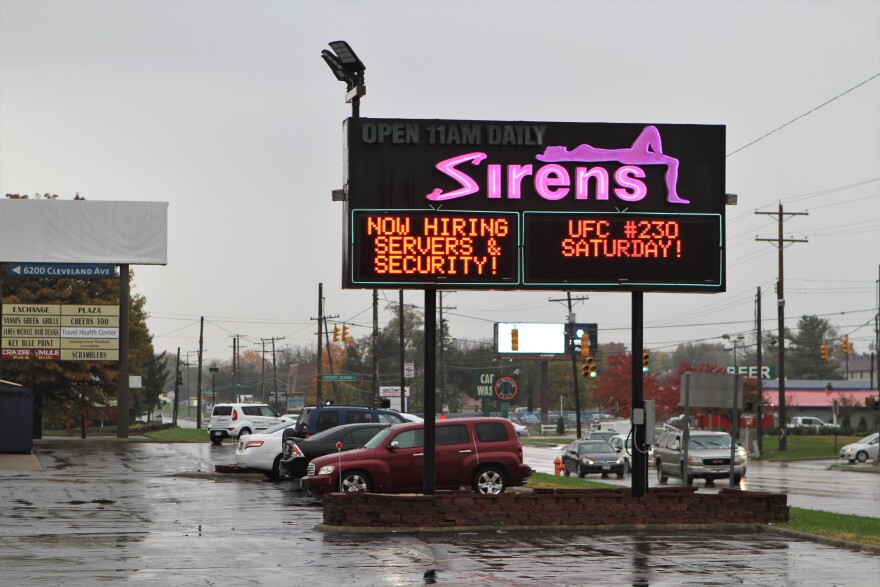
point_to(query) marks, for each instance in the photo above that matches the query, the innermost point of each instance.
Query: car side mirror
(393, 445)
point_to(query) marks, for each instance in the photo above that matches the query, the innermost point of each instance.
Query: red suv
(482, 453)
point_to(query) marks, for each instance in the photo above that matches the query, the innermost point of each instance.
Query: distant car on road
(708, 457)
(605, 435)
(583, 457)
(810, 422)
(862, 450)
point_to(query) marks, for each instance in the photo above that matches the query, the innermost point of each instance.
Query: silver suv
(235, 420)
(708, 457)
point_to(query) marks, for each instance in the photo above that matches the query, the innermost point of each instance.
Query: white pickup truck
(810, 422)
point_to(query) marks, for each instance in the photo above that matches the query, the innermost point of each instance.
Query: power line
(804, 114)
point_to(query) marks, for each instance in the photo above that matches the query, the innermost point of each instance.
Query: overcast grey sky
(226, 111)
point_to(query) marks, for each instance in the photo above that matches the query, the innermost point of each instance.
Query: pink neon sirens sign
(553, 182)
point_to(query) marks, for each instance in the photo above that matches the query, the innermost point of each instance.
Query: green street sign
(336, 377)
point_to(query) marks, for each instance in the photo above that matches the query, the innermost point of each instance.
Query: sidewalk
(19, 462)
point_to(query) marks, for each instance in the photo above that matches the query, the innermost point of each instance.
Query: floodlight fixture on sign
(335, 65)
(348, 58)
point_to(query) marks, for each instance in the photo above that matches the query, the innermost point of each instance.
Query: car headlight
(588, 461)
(619, 460)
(695, 460)
(326, 470)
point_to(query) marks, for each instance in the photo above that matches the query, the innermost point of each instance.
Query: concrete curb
(857, 546)
(633, 528)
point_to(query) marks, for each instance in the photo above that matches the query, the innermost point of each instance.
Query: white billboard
(533, 338)
(83, 231)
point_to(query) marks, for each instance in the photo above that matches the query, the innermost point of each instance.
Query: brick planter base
(556, 508)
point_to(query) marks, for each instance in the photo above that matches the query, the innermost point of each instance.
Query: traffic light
(645, 360)
(345, 333)
(585, 344)
(335, 334)
(514, 339)
(846, 348)
(823, 351)
(589, 368)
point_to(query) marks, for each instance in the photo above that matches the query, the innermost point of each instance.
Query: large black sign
(534, 205)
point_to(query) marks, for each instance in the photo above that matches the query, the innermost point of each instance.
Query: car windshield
(379, 439)
(278, 427)
(869, 438)
(594, 447)
(710, 441)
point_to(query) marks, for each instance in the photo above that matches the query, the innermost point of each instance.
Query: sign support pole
(122, 377)
(430, 385)
(640, 454)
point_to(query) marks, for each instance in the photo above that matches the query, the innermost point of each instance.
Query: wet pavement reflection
(148, 514)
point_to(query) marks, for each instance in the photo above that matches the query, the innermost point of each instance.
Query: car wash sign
(534, 205)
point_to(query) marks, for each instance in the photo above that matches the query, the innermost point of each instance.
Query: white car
(520, 429)
(235, 420)
(262, 452)
(622, 444)
(862, 450)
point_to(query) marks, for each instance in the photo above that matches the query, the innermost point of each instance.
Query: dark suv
(314, 419)
(482, 453)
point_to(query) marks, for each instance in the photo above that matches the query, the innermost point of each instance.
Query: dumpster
(16, 418)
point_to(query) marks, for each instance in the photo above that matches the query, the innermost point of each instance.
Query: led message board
(423, 247)
(533, 205)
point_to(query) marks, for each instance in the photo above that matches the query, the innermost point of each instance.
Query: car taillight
(253, 443)
(308, 435)
(234, 415)
(296, 451)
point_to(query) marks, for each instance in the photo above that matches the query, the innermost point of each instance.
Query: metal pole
(430, 393)
(574, 370)
(122, 391)
(375, 343)
(734, 420)
(640, 454)
(319, 383)
(759, 404)
(780, 317)
(199, 376)
(176, 389)
(402, 351)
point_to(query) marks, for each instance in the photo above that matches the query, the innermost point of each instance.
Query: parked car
(237, 419)
(482, 453)
(520, 429)
(708, 457)
(314, 419)
(862, 450)
(604, 435)
(583, 457)
(298, 453)
(262, 452)
(622, 445)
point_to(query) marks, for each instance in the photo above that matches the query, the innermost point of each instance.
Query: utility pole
(199, 375)
(574, 378)
(330, 353)
(759, 404)
(402, 351)
(274, 374)
(442, 340)
(176, 389)
(375, 346)
(263, 370)
(236, 349)
(780, 311)
(319, 383)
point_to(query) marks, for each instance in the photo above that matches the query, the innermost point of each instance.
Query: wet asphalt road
(808, 484)
(155, 514)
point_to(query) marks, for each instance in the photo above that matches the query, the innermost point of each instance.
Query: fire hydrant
(557, 466)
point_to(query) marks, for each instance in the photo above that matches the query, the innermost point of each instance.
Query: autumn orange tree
(613, 388)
